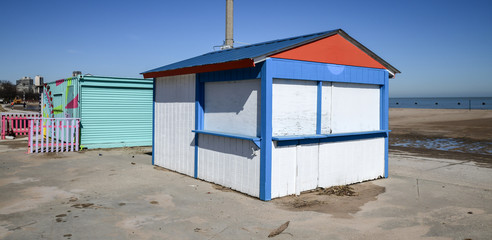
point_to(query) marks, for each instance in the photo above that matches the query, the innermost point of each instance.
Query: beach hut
(113, 112)
(275, 118)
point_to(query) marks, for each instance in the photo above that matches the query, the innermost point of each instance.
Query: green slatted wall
(115, 112)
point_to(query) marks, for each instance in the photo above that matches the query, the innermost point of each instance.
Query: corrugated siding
(307, 167)
(174, 144)
(284, 170)
(230, 162)
(304, 167)
(115, 117)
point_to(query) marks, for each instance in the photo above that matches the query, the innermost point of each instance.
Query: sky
(443, 48)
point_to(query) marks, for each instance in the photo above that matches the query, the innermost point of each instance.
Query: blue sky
(442, 48)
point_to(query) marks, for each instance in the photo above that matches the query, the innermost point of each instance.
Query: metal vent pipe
(229, 41)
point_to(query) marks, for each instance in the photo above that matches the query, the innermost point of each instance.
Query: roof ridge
(273, 41)
(246, 56)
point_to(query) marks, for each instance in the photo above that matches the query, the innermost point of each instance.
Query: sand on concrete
(118, 194)
(470, 130)
(452, 123)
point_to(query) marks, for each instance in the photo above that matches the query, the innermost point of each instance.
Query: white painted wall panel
(233, 107)
(307, 167)
(174, 122)
(349, 162)
(283, 170)
(230, 162)
(294, 107)
(326, 107)
(355, 107)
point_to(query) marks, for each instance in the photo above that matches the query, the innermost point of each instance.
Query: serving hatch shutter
(116, 116)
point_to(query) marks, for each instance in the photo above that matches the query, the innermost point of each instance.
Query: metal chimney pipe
(229, 41)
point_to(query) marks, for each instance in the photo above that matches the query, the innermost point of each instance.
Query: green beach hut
(113, 112)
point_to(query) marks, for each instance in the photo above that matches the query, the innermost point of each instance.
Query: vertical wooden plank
(42, 136)
(22, 126)
(74, 122)
(52, 133)
(58, 131)
(71, 135)
(37, 135)
(237, 165)
(46, 126)
(226, 161)
(66, 134)
(61, 136)
(14, 125)
(57, 134)
(64, 143)
(77, 136)
(32, 131)
(45, 136)
(298, 178)
(223, 159)
(29, 141)
(3, 126)
(65, 122)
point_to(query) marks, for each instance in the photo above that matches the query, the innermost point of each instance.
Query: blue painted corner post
(153, 120)
(266, 131)
(199, 106)
(385, 118)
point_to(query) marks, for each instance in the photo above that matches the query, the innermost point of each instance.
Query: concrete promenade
(118, 194)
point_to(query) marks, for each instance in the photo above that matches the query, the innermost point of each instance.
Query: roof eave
(242, 63)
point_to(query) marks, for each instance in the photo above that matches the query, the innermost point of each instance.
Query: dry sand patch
(349, 202)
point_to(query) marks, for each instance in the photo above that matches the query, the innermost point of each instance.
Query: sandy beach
(450, 133)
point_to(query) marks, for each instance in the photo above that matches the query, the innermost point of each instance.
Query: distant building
(24, 85)
(38, 84)
(28, 85)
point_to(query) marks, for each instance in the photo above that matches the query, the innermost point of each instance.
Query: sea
(484, 103)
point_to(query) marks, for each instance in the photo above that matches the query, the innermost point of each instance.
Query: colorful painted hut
(275, 118)
(114, 112)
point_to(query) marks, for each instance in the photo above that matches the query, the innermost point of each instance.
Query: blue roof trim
(246, 52)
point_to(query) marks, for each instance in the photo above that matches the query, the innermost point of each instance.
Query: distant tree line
(8, 92)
